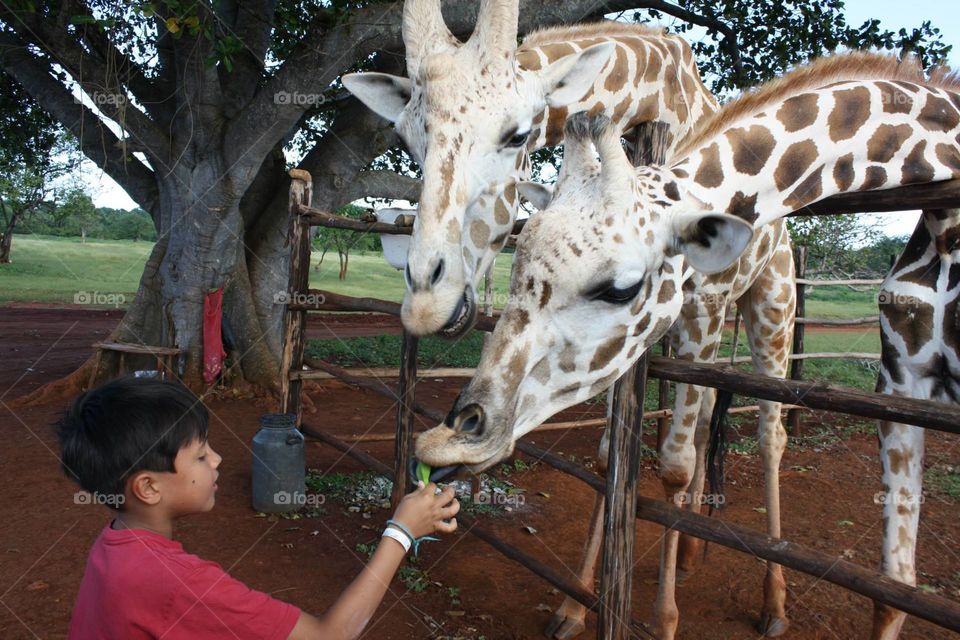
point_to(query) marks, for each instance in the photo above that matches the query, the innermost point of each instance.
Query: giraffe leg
(696, 337)
(901, 457)
(569, 620)
(768, 309)
(690, 550)
(677, 466)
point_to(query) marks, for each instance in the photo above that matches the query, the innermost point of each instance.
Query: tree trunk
(201, 249)
(6, 240)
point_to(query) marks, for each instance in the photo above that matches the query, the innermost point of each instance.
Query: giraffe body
(466, 93)
(920, 338)
(599, 275)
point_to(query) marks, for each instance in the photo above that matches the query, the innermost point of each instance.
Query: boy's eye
(203, 457)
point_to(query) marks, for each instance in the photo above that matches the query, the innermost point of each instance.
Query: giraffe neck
(858, 135)
(650, 76)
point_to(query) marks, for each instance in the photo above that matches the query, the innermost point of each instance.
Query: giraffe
(466, 93)
(470, 113)
(599, 275)
(920, 348)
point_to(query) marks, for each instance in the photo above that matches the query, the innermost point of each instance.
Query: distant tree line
(76, 216)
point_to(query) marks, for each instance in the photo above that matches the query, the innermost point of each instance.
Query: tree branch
(253, 23)
(98, 80)
(327, 52)
(96, 141)
(152, 94)
(383, 184)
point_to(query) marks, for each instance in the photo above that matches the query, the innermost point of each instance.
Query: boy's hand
(424, 510)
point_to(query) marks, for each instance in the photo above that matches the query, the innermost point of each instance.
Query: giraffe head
(465, 113)
(597, 279)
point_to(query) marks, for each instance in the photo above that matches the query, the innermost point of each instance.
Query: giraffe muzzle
(463, 316)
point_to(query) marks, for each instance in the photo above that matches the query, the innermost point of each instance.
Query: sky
(893, 14)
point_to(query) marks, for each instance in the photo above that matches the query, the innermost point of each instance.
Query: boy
(140, 446)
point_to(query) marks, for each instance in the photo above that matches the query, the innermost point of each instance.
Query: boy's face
(192, 489)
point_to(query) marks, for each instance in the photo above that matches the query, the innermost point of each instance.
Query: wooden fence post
(623, 467)
(794, 421)
(301, 189)
(403, 443)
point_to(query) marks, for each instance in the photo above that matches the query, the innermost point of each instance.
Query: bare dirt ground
(827, 498)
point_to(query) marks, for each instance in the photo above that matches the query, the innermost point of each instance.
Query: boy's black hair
(126, 426)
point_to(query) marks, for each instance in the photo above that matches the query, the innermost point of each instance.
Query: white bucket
(394, 246)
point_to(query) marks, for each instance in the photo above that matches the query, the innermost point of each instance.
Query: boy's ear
(144, 487)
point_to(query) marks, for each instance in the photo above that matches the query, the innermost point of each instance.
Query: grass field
(58, 270)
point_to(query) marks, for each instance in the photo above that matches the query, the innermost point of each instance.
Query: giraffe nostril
(471, 420)
(407, 277)
(437, 273)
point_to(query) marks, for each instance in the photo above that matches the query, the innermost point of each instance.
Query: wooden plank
(387, 372)
(830, 283)
(934, 195)
(623, 467)
(318, 218)
(403, 442)
(812, 395)
(142, 349)
(794, 419)
(294, 338)
(846, 322)
(623, 474)
(824, 566)
(470, 525)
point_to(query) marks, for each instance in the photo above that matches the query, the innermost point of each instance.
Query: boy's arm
(355, 606)
(424, 512)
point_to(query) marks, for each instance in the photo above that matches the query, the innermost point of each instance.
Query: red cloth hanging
(213, 353)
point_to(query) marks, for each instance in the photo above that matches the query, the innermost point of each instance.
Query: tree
(342, 240)
(79, 213)
(831, 242)
(189, 106)
(28, 185)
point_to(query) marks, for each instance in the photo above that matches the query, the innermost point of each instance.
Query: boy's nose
(217, 458)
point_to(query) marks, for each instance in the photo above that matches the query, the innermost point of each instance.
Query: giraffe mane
(568, 32)
(858, 65)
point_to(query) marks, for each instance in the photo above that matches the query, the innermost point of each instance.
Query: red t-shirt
(139, 584)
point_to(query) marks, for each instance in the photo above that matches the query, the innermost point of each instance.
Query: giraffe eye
(607, 292)
(517, 140)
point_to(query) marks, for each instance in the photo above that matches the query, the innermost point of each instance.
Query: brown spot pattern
(886, 141)
(795, 161)
(876, 177)
(938, 115)
(710, 173)
(751, 148)
(608, 350)
(915, 165)
(950, 157)
(843, 172)
(807, 191)
(798, 112)
(617, 75)
(743, 206)
(894, 100)
(850, 111)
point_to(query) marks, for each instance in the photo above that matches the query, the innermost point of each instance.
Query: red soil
(827, 498)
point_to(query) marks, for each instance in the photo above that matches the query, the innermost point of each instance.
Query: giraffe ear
(539, 195)
(567, 79)
(384, 94)
(711, 241)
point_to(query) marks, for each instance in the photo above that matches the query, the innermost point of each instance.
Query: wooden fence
(613, 606)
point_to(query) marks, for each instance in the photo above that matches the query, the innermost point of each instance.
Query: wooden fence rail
(613, 607)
